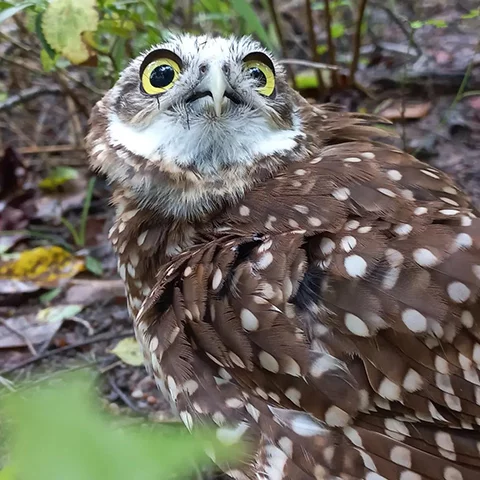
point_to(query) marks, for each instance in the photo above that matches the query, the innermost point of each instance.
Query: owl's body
(301, 286)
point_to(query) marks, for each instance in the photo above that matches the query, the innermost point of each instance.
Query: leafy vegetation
(58, 431)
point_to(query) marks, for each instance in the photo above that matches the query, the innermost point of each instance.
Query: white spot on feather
(355, 266)
(425, 258)
(414, 320)
(249, 320)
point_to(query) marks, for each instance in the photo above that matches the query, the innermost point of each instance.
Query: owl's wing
(348, 345)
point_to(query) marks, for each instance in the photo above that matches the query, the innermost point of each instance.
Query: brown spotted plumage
(318, 301)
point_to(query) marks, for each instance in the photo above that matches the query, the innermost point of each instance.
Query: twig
(357, 40)
(400, 23)
(331, 46)
(34, 70)
(68, 91)
(125, 398)
(189, 16)
(313, 43)
(309, 63)
(49, 149)
(26, 48)
(278, 28)
(26, 95)
(21, 335)
(58, 351)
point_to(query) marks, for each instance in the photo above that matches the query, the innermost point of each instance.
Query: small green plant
(58, 432)
(78, 235)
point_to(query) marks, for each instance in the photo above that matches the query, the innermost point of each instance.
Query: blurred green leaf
(254, 25)
(48, 64)
(321, 49)
(93, 265)
(7, 473)
(471, 14)
(58, 313)
(338, 29)
(59, 432)
(58, 177)
(10, 12)
(41, 37)
(48, 296)
(437, 23)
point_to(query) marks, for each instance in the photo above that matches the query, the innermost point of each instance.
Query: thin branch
(26, 95)
(401, 24)
(35, 149)
(309, 63)
(278, 29)
(313, 43)
(123, 396)
(357, 40)
(21, 335)
(331, 46)
(58, 351)
(68, 91)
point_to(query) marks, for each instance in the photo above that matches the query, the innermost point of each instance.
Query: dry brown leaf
(18, 331)
(412, 111)
(41, 267)
(86, 292)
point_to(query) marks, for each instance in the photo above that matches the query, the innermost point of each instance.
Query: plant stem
(313, 44)
(278, 29)
(357, 40)
(330, 44)
(86, 208)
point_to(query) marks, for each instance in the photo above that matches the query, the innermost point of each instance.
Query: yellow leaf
(58, 313)
(41, 267)
(63, 24)
(129, 351)
(58, 177)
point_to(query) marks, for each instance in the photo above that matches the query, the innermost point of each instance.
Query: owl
(295, 281)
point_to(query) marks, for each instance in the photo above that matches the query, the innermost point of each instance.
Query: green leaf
(128, 351)
(48, 64)
(47, 297)
(321, 49)
(64, 21)
(417, 24)
(41, 37)
(58, 313)
(7, 473)
(10, 12)
(471, 14)
(245, 10)
(93, 265)
(59, 432)
(338, 29)
(57, 177)
(437, 23)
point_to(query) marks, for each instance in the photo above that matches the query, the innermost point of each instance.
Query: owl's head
(192, 117)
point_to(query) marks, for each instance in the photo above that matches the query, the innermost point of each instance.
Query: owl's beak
(217, 85)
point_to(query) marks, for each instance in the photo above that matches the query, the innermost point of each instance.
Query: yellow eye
(263, 75)
(160, 75)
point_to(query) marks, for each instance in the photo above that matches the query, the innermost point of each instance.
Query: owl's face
(204, 107)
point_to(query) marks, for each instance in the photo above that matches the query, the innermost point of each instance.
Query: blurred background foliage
(105, 34)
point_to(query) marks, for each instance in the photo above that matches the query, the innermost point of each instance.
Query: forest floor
(65, 309)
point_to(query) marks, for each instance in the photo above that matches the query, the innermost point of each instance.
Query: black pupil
(259, 76)
(162, 76)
